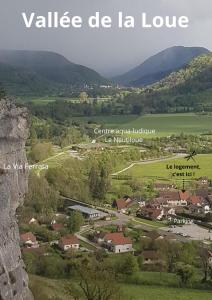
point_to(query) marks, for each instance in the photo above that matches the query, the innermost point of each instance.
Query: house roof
(202, 192)
(32, 220)
(168, 210)
(153, 235)
(159, 201)
(100, 235)
(118, 238)
(184, 195)
(57, 226)
(69, 239)
(28, 237)
(87, 210)
(151, 212)
(170, 195)
(121, 203)
(196, 200)
(38, 251)
(160, 185)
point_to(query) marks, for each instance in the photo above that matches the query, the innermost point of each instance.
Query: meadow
(164, 124)
(157, 286)
(142, 292)
(158, 170)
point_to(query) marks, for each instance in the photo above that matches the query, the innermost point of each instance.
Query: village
(129, 225)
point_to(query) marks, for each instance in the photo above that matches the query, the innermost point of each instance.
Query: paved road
(123, 219)
(149, 161)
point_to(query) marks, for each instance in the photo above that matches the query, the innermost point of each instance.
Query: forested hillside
(189, 89)
(160, 65)
(42, 73)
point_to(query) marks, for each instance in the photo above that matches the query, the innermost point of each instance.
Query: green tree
(94, 181)
(204, 260)
(70, 180)
(31, 262)
(75, 221)
(52, 266)
(42, 197)
(103, 184)
(41, 151)
(97, 281)
(33, 136)
(127, 265)
(188, 253)
(140, 261)
(185, 272)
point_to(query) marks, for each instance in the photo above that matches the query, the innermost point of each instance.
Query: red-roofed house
(69, 242)
(120, 204)
(117, 242)
(28, 240)
(196, 200)
(123, 204)
(197, 204)
(184, 196)
(151, 213)
(175, 198)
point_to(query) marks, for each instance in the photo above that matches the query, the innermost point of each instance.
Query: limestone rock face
(13, 186)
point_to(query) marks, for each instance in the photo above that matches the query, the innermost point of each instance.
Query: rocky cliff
(13, 186)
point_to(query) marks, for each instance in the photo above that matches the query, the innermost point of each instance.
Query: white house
(117, 242)
(29, 240)
(69, 242)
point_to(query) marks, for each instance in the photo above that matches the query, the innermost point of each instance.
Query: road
(87, 241)
(123, 219)
(149, 161)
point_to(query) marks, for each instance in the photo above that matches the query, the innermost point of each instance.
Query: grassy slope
(46, 289)
(159, 169)
(150, 286)
(164, 124)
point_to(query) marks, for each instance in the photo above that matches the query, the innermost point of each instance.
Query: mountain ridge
(159, 65)
(44, 72)
(189, 88)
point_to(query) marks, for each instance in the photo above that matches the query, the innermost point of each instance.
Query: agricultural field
(158, 170)
(164, 124)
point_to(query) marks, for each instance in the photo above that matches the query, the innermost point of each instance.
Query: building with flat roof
(88, 212)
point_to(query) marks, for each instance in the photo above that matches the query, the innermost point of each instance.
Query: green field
(158, 170)
(139, 292)
(164, 124)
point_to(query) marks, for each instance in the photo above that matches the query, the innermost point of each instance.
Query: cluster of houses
(170, 201)
(29, 241)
